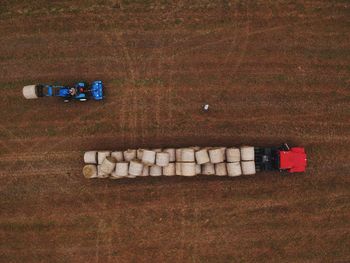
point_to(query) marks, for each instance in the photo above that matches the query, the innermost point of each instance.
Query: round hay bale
(101, 155)
(90, 157)
(234, 169)
(115, 176)
(139, 154)
(247, 153)
(202, 156)
(178, 154)
(162, 159)
(135, 168)
(198, 169)
(118, 155)
(216, 155)
(171, 151)
(178, 168)
(248, 167)
(148, 157)
(29, 92)
(108, 164)
(129, 155)
(208, 169)
(169, 170)
(145, 171)
(188, 169)
(220, 169)
(155, 170)
(233, 155)
(100, 173)
(90, 171)
(121, 169)
(187, 155)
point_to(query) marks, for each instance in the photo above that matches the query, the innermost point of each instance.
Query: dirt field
(272, 72)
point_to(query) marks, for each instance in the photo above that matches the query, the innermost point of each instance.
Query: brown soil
(272, 72)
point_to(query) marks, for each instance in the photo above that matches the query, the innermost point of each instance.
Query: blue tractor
(81, 91)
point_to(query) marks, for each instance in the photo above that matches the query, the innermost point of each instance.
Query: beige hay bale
(100, 173)
(90, 157)
(234, 169)
(162, 159)
(248, 167)
(135, 168)
(187, 155)
(101, 155)
(29, 92)
(247, 153)
(157, 150)
(145, 171)
(90, 171)
(233, 155)
(139, 154)
(188, 169)
(195, 148)
(198, 169)
(155, 170)
(216, 155)
(115, 176)
(169, 170)
(208, 169)
(122, 169)
(178, 168)
(202, 156)
(220, 169)
(178, 154)
(108, 164)
(223, 149)
(129, 155)
(148, 157)
(118, 155)
(172, 156)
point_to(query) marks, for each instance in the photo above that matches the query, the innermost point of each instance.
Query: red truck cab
(293, 160)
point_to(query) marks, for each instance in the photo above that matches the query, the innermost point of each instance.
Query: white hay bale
(198, 169)
(90, 171)
(145, 171)
(234, 169)
(155, 170)
(233, 155)
(29, 92)
(248, 167)
(162, 159)
(195, 148)
(247, 153)
(148, 157)
(220, 169)
(178, 168)
(135, 168)
(157, 150)
(178, 154)
(139, 154)
(90, 157)
(202, 156)
(208, 169)
(101, 155)
(118, 155)
(121, 169)
(169, 170)
(216, 155)
(129, 155)
(100, 173)
(108, 164)
(187, 155)
(171, 151)
(188, 169)
(114, 176)
(223, 149)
